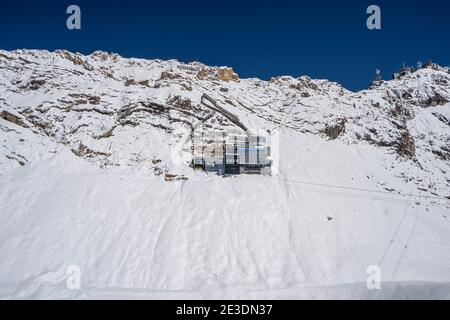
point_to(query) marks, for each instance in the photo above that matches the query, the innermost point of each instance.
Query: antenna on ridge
(377, 77)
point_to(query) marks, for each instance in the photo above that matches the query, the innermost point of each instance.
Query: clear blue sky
(264, 38)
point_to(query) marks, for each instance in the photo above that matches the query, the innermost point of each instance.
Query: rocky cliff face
(123, 112)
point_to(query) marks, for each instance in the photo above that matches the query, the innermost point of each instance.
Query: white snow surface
(70, 194)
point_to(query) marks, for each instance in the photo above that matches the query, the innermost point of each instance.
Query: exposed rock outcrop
(333, 131)
(5, 115)
(227, 74)
(406, 145)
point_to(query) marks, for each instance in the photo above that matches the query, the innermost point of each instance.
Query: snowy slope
(90, 145)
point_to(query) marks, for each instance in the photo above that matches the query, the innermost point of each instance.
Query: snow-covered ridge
(123, 112)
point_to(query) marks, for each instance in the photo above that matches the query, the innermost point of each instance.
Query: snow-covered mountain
(94, 165)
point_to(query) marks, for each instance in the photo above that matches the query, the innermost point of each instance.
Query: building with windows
(232, 151)
(403, 72)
